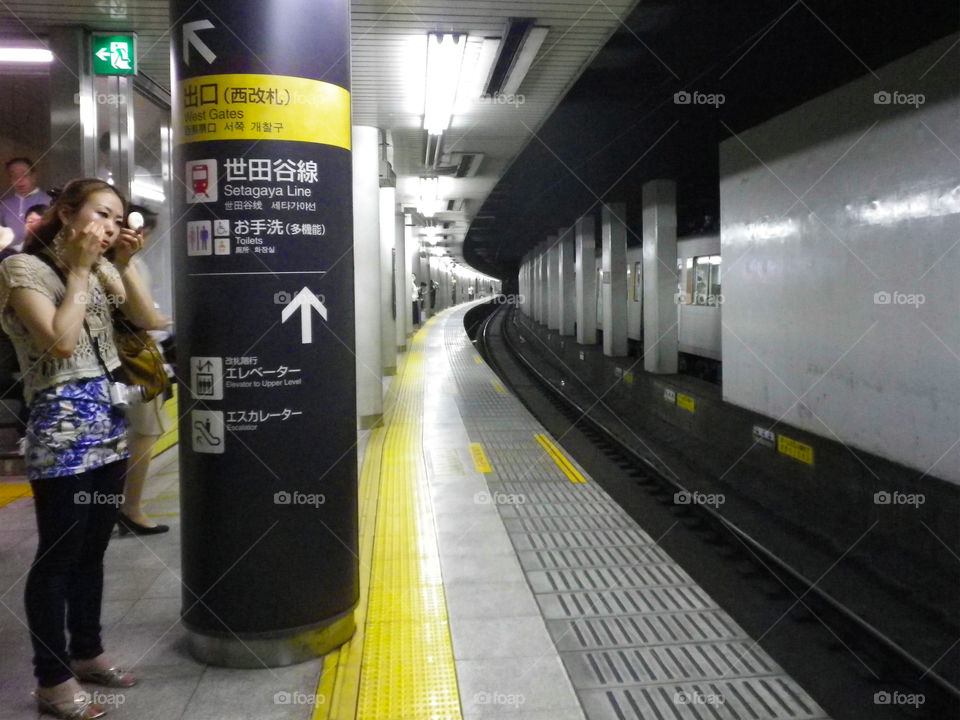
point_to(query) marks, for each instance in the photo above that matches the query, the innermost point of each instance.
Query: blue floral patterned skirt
(74, 428)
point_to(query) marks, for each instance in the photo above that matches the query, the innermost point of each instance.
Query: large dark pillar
(265, 327)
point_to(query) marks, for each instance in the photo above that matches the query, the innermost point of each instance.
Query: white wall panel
(823, 209)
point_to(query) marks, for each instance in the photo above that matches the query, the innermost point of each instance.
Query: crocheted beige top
(39, 367)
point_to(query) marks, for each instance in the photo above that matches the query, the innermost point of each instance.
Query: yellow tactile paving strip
(399, 664)
(340, 680)
(9, 492)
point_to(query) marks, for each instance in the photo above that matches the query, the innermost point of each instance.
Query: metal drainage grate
(643, 630)
(689, 662)
(654, 601)
(773, 698)
(605, 577)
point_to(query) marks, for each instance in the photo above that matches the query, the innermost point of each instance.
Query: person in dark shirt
(25, 195)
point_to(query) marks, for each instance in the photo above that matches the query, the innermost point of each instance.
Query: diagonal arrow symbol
(303, 301)
(190, 38)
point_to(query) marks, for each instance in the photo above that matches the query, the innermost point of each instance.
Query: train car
(699, 296)
(699, 301)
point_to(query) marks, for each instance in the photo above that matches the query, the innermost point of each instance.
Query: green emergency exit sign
(114, 54)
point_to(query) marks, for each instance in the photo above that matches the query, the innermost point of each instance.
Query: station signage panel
(113, 54)
(264, 278)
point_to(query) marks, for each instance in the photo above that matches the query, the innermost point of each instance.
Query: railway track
(850, 666)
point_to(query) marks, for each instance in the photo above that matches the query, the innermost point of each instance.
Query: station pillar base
(253, 653)
(369, 422)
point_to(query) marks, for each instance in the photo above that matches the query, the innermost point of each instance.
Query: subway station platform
(497, 579)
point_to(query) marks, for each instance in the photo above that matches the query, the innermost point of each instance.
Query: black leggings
(75, 516)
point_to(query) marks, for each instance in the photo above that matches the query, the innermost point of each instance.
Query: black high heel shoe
(126, 526)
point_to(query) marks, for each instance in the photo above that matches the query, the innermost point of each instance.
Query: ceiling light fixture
(25, 55)
(429, 203)
(478, 59)
(528, 52)
(517, 53)
(444, 57)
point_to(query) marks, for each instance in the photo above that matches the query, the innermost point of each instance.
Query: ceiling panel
(388, 41)
(385, 39)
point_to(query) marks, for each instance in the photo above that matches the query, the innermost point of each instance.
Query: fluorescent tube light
(147, 189)
(429, 203)
(25, 55)
(478, 59)
(444, 56)
(528, 51)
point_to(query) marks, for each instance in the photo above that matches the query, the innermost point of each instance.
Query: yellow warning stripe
(498, 387)
(480, 461)
(399, 664)
(339, 683)
(560, 459)
(325, 689)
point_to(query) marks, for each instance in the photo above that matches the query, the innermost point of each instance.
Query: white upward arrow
(190, 38)
(303, 301)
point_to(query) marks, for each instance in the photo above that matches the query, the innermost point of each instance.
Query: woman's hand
(82, 249)
(128, 244)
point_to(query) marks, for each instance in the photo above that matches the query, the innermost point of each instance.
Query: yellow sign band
(795, 449)
(262, 107)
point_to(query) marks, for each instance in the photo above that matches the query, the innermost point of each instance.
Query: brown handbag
(141, 361)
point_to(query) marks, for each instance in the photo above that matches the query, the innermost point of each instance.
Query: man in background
(23, 195)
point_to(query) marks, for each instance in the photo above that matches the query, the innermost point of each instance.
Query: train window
(599, 296)
(706, 280)
(635, 281)
(685, 283)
